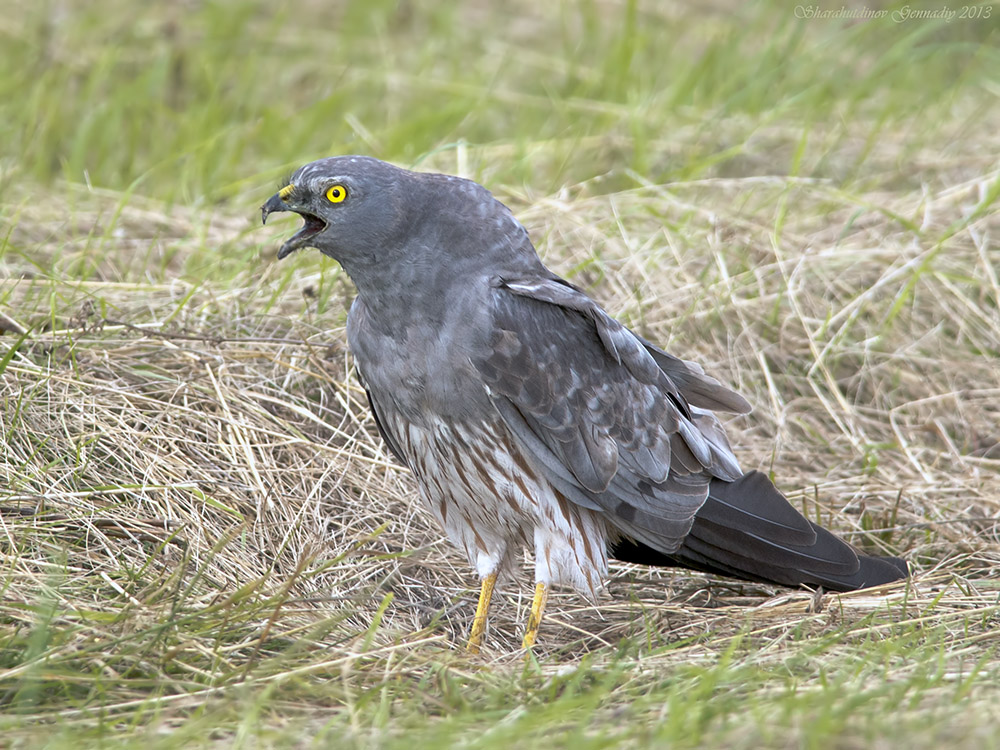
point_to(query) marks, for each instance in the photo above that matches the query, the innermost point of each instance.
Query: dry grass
(191, 469)
(205, 542)
(212, 438)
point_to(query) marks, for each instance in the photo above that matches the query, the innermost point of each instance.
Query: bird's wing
(383, 430)
(617, 425)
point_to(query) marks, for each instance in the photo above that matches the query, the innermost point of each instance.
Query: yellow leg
(482, 609)
(535, 618)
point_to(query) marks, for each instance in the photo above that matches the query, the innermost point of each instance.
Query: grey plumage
(529, 416)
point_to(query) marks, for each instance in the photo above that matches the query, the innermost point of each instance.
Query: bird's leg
(535, 618)
(482, 609)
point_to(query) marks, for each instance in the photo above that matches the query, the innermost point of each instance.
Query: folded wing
(617, 425)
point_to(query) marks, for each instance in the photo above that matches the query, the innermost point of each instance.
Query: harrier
(527, 414)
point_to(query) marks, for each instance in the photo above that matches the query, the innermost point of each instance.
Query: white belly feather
(491, 501)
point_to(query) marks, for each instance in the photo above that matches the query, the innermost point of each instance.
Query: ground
(205, 543)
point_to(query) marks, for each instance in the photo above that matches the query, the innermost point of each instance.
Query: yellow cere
(336, 194)
(285, 192)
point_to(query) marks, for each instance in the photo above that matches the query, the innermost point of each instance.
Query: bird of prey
(528, 415)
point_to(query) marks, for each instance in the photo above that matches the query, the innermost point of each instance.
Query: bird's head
(352, 206)
(393, 230)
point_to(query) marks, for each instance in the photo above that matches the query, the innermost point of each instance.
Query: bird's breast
(423, 369)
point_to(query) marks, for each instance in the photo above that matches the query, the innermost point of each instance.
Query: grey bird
(528, 415)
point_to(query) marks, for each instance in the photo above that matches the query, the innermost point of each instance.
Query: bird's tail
(747, 529)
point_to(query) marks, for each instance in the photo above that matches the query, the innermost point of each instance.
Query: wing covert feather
(591, 402)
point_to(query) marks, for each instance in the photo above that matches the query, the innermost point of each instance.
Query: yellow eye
(336, 194)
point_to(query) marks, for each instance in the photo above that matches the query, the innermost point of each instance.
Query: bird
(529, 416)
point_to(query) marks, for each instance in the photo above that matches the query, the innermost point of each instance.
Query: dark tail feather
(747, 529)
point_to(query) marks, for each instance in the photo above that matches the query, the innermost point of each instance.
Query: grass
(204, 542)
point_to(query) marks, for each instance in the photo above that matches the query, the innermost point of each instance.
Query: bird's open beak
(313, 224)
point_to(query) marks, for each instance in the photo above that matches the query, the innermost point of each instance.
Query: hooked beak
(274, 204)
(313, 224)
